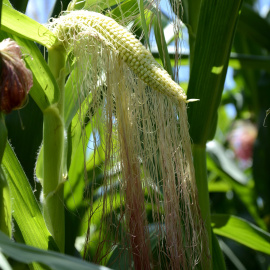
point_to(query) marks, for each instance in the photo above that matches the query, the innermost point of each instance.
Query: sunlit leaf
(220, 186)
(26, 211)
(20, 25)
(242, 232)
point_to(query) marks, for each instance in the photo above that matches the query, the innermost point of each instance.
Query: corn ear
(130, 50)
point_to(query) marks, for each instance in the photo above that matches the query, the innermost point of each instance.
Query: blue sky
(40, 9)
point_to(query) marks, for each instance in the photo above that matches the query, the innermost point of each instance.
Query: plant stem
(53, 143)
(199, 159)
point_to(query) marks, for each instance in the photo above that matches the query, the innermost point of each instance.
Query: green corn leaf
(218, 258)
(251, 77)
(242, 232)
(227, 170)
(236, 61)
(20, 25)
(102, 5)
(4, 262)
(75, 5)
(54, 260)
(220, 186)
(25, 208)
(127, 8)
(248, 61)
(143, 21)
(162, 45)
(26, 126)
(231, 256)
(254, 26)
(3, 135)
(211, 56)
(45, 91)
(5, 205)
(6, 2)
(119, 258)
(74, 191)
(72, 100)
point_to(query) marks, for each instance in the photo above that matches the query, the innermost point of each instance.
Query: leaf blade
(211, 56)
(161, 44)
(26, 211)
(241, 231)
(56, 261)
(19, 24)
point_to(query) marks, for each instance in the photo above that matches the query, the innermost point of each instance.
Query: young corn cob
(136, 56)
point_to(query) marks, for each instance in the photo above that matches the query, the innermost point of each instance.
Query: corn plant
(116, 174)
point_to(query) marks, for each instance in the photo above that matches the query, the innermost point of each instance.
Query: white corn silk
(140, 114)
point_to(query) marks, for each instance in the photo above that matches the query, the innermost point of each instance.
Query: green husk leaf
(45, 91)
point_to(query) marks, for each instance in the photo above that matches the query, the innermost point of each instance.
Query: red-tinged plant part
(16, 79)
(241, 140)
